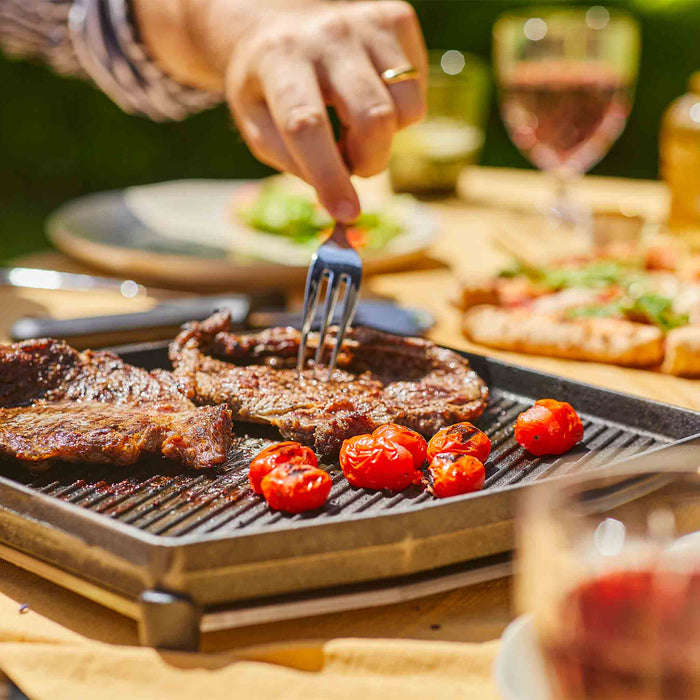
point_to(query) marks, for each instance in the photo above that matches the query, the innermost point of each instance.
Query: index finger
(294, 97)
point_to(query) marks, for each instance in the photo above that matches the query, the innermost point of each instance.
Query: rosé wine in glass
(566, 80)
(564, 118)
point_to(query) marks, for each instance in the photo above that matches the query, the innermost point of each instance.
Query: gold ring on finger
(398, 75)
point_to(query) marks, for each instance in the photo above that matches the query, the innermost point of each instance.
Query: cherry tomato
(410, 439)
(461, 438)
(295, 488)
(276, 455)
(451, 474)
(548, 428)
(376, 463)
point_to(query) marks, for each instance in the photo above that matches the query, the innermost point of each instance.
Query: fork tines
(337, 264)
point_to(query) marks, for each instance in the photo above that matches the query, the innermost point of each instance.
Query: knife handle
(162, 321)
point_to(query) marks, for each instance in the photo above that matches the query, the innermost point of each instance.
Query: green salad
(298, 217)
(599, 273)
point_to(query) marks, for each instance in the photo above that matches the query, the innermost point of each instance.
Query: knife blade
(381, 315)
(35, 278)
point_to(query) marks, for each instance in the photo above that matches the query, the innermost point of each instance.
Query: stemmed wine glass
(566, 80)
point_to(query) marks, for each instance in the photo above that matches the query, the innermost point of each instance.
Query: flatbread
(683, 352)
(608, 340)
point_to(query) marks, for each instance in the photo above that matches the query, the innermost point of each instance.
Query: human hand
(281, 62)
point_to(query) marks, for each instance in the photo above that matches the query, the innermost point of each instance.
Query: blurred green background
(60, 138)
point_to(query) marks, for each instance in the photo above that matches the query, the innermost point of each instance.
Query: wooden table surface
(493, 200)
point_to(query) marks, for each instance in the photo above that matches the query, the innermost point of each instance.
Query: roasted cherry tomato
(410, 439)
(461, 438)
(451, 474)
(548, 428)
(375, 463)
(295, 488)
(276, 455)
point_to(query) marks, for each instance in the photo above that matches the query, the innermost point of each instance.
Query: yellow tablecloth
(52, 661)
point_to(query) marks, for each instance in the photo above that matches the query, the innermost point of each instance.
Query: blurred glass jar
(427, 158)
(679, 149)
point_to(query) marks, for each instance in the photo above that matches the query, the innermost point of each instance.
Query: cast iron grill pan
(204, 536)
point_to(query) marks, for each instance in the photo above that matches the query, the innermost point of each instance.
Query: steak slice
(58, 403)
(380, 378)
(52, 370)
(99, 433)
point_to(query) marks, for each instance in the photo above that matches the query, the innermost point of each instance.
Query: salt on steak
(380, 378)
(58, 403)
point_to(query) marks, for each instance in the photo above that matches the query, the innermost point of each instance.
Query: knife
(160, 322)
(164, 321)
(35, 278)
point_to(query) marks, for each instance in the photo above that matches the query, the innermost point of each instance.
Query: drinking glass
(426, 158)
(610, 567)
(566, 79)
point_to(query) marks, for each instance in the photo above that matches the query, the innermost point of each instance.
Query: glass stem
(567, 211)
(562, 203)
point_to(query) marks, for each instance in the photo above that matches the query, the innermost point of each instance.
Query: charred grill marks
(97, 433)
(57, 403)
(93, 407)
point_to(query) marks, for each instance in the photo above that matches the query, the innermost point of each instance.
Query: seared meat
(94, 407)
(100, 433)
(380, 378)
(49, 369)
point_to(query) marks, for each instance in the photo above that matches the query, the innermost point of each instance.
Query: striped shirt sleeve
(98, 40)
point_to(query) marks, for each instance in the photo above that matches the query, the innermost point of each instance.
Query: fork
(338, 263)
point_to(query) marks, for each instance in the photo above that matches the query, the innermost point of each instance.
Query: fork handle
(339, 236)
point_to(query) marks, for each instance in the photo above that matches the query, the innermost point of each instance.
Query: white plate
(185, 233)
(519, 669)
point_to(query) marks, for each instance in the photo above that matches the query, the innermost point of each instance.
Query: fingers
(371, 110)
(410, 37)
(283, 76)
(365, 107)
(292, 92)
(400, 45)
(409, 95)
(260, 132)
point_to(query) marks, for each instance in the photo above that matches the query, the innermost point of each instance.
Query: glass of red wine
(610, 567)
(566, 79)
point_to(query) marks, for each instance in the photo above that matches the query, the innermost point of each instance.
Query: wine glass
(610, 567)
(566, 79)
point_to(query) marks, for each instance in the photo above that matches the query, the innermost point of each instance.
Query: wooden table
(492, 199)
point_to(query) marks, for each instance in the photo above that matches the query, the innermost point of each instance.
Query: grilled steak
(380, 378)
(93, 407)
(102, 433)
(50, 369)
